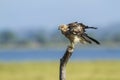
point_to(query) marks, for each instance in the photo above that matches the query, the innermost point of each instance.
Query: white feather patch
(76, 39)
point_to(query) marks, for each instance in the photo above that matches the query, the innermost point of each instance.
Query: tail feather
(85, 39)
(87, 27)
(92, 39)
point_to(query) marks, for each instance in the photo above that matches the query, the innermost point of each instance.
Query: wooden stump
(63, 62)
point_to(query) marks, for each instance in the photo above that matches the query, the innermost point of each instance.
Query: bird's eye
(62, 26)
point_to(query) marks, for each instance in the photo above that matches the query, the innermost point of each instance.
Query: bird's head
(63, 28)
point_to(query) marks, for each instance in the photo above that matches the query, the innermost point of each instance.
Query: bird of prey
(75, 32)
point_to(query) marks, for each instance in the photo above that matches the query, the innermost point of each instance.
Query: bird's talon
(71, 47)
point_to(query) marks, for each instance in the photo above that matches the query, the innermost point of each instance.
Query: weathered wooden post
(63, 62)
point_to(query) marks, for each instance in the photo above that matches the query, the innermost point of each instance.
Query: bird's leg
(72, 45)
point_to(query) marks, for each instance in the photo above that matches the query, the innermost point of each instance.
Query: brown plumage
(75, 32)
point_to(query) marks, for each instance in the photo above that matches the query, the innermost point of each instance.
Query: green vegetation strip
(94, 70)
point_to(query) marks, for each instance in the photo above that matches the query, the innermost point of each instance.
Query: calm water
(55, 55)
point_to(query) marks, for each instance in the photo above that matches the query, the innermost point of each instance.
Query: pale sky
(19, 14)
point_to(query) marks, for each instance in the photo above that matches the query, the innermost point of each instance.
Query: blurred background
(31, 44)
